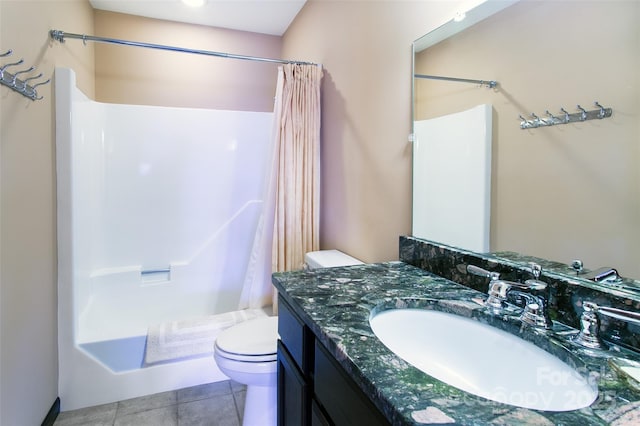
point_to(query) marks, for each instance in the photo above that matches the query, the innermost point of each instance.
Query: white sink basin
(482, 360)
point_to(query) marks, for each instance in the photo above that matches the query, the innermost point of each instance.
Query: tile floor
(213, 404)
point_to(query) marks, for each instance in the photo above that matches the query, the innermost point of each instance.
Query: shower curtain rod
(60, 36)
(489, 83)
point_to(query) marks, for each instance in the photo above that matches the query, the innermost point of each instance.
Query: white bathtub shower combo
(157, 210)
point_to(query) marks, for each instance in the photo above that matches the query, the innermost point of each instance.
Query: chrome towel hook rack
(566, 117)
(12, 81)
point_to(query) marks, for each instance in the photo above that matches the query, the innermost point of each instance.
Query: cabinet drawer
(343, 401)
(294, 335)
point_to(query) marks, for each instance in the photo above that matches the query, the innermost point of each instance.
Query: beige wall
(134, 75)
(28, 339)
(365, 48)
(564, 192)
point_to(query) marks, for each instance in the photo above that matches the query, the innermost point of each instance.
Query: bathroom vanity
(332, 369)
(310, 378)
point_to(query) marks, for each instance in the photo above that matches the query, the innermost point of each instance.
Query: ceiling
(259, 16)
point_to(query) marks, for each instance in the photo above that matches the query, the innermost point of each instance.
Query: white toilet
(246, 352)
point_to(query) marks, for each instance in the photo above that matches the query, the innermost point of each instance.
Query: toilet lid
(250, 338)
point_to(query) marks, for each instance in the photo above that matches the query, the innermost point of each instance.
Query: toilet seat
(250, 341)
(245, 358)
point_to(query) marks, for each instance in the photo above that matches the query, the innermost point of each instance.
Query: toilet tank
(329, 259)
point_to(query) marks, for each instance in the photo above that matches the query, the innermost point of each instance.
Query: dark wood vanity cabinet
(294, 368)
(313, 389)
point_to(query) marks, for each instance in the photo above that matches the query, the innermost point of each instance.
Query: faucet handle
(535, 283)
(619, 314)
(476, 270)
(589, 327)
(536, 269)
(577, 266)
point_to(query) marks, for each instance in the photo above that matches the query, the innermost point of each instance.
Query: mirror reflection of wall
(562, 192)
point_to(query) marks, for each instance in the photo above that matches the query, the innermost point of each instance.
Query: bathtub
(157, 210)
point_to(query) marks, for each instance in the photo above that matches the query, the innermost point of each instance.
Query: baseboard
(52, 414)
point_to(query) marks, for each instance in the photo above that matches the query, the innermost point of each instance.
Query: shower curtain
(290, 221)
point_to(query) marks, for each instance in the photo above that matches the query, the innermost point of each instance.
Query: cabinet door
(340, 397)
(318, 418)
(292, 391)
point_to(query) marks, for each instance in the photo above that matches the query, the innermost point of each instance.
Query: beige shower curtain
(292, 199)
(297, 221)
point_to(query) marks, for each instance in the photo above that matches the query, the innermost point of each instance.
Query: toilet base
(260, 406)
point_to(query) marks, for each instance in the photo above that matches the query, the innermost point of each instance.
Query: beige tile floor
(214, 404)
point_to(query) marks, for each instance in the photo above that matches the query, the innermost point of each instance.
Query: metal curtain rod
(61, 35)
(489, 83)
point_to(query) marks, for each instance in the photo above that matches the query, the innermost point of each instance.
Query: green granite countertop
(336, 304)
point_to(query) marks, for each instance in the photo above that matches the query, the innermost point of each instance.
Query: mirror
(563, 191)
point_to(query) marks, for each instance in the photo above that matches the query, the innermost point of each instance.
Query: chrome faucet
(589, 335)
(535, 309)
(497, 288)
(600, 275)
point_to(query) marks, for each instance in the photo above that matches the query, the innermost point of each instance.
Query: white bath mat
(191, 338)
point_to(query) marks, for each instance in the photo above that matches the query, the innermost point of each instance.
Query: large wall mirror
(562, 191)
